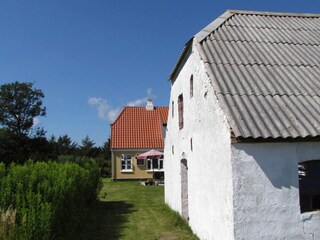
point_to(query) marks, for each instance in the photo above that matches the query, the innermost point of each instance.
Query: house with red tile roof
(135, 131)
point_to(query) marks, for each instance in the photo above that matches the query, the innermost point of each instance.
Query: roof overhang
(199, 37)
(235, 140)
(181, 60)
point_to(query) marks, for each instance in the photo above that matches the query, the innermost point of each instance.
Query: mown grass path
(127, 210)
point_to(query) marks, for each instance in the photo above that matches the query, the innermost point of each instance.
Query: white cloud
(105, 111)
(137, 102)
(141, 101)
(108, 113)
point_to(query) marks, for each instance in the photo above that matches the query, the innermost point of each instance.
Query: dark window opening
(191, 86)
(140, 162)
(309, 185)
(172, 108)
(155, 163)
(149, 164)
(180, 110)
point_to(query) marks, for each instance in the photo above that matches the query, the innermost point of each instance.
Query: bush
(47, 199)
(7, 221)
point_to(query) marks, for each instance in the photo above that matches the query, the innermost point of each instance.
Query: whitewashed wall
(239, 191)
(266, 191)
(209, 164)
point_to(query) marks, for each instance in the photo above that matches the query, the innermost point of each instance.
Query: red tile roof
(163, 114)
(137, 127)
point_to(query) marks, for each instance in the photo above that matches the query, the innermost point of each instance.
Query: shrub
(7, 221)
(47, 198)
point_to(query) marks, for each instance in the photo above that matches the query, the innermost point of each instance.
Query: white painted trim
(127, 171)
(155, 170)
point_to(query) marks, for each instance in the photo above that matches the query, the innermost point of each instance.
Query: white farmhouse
(243, 140)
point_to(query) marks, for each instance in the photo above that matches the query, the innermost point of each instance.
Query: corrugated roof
(265, 69)
(137, 127)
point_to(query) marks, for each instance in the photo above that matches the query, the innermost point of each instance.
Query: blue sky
(92, 58)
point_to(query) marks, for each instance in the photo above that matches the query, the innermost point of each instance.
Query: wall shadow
(105, 220)
(276, 162)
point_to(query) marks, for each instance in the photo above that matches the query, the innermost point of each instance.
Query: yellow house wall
(139, 172)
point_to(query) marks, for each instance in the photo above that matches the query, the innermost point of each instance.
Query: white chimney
(149, 106)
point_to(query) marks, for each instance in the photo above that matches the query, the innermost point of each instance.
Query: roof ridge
(280, 14)
(213, 26)
(263, 64)
(141, 106)
(138, 107)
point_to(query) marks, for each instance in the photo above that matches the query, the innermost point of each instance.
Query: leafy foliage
(47, 198)
(20, 103)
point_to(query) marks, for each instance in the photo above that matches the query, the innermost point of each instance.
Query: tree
(104, 159)
(12, 149)
(66, 146)
(20, 103)
(87, 148)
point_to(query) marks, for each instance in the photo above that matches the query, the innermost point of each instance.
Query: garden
(127, 210)
(46, 200)
(51, 188)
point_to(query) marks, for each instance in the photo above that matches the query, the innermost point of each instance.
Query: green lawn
(127, 210)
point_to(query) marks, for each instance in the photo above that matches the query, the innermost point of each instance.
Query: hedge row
(45, 200)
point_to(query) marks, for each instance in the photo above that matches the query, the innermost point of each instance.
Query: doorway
(184, 190)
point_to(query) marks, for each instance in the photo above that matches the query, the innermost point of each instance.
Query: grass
(127, 210)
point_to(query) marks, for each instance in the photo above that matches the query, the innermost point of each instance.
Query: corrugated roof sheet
(137, 127)
(266, 72)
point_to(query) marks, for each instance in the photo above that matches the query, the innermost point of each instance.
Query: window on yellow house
(126, 162)
(140, 162)
(155, 164)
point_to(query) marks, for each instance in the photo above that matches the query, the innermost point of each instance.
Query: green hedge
(45, 200)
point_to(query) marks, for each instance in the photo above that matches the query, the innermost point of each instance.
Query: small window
(155, 164)
(160, 163)
(309, 185)
(172, 149)
(149, 164)
(191, 145)
(140, 162)
(191, 86)
(172, 108)
(126, 162)
(180, 110)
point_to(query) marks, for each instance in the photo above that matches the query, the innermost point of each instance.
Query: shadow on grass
(105, 220)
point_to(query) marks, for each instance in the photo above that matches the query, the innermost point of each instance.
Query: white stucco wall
(266, 191)
(236, 191)
(209, 163)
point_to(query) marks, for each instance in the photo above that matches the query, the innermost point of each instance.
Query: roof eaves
(123, 109)
(213, 26)
(181, 60)
(199, 36)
